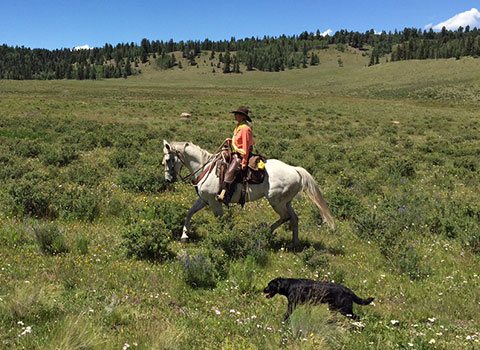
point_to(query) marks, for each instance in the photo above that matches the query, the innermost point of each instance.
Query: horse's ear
(166, 145)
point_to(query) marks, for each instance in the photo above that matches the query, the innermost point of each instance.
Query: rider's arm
(246, 144)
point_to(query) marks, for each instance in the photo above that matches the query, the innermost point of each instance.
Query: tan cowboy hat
(243, 110)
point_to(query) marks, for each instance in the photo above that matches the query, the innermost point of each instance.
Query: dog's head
(275, 286)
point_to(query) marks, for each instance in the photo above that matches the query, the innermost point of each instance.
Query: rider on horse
(241, 145)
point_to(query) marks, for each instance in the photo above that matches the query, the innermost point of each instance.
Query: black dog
(300, 291)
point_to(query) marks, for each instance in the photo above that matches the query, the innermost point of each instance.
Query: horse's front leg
(198, 205)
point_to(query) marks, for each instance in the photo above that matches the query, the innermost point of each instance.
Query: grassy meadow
(90, 256)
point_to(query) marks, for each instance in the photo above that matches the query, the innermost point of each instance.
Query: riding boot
(229, 194)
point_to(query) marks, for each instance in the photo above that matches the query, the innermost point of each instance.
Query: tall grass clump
(32, 303)
(242, 274)
(76, 332)
(50, 238)
(308, 321)
(410, 263)
(198, 270)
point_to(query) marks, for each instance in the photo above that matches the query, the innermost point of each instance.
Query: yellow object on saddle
(260, 165)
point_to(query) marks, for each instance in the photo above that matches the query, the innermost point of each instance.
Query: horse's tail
(310, 186)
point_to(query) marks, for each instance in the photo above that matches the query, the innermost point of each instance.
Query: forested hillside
(271, 54)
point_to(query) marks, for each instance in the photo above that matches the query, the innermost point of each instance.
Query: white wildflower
(432, 320)
(394, 322)
(431, 341)
(26, 331)
(125, 346)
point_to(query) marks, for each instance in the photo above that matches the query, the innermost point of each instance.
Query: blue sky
(56, 24)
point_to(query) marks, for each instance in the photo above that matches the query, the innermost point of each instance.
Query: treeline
(23, 63)
(265, 54)
(444, 44)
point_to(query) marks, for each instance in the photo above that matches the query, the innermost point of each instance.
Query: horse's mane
(180, 146)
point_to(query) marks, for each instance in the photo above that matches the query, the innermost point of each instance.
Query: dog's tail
(361, 301)
(310, 186)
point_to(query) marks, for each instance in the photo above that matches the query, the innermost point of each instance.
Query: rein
(210, 160)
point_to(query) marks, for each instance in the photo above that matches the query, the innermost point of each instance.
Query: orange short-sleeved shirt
(242, 141)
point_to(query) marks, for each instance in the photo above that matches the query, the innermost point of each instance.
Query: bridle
(190, 177)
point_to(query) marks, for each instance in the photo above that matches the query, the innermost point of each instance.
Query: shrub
(33, 197)
(401, 167)
(84, 174)
(149, 179)
(343, 203)
(199, 271)
(77, 202)
(123, 158)
(147, 240)
(62, 156)
(239, 243)
(50, 238)
(27, 148)
(172, 214)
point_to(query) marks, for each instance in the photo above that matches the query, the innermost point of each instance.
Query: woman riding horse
(241, 146)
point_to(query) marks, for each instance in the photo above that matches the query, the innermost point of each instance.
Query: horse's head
(171, 161)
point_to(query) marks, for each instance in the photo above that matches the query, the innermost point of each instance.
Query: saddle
(254, 174)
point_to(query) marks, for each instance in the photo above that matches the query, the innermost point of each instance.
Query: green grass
(394, 147)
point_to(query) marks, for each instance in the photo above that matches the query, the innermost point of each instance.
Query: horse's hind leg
(293, 222)
(280, 209)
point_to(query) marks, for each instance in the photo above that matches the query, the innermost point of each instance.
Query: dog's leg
(290, 308)
(347, 310)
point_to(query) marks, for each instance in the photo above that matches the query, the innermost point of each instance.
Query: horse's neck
(195, 157)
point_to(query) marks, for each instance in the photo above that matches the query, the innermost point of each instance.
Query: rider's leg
(232, 170)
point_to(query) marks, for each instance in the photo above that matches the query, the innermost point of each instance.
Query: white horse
(281, 184)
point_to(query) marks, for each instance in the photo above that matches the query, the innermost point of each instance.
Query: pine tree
(226, 62)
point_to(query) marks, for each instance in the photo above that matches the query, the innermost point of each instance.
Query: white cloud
(468, 18)
(83, 47)
(327, 32)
